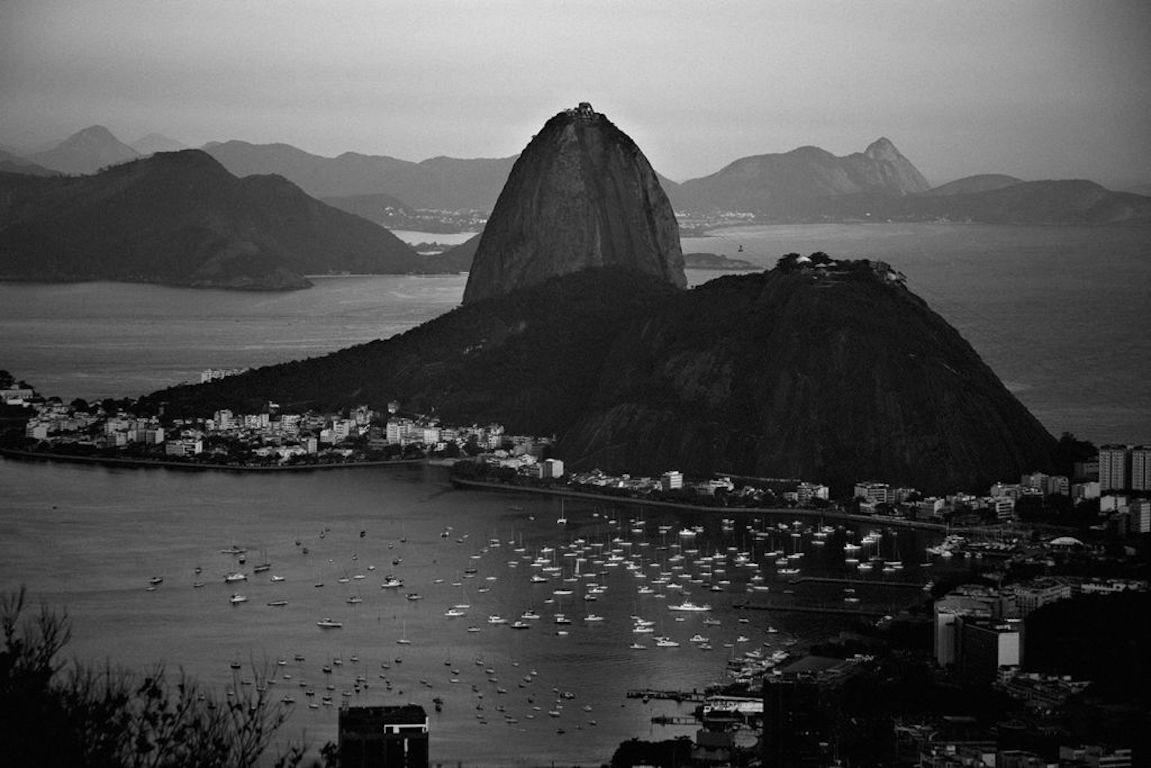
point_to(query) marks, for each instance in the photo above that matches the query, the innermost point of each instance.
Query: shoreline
(821, 513)
(109, 461)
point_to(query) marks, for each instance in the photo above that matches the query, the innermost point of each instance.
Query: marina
(509, 652)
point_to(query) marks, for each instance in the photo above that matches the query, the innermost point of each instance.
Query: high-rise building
(383, 737)
(1141, 468)
(986, 645)
(1114, 464)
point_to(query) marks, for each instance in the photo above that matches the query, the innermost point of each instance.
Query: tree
(57, 715)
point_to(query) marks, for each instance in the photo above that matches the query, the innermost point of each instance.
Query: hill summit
(581, 195)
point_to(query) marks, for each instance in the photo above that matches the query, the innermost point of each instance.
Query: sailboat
(403, 638)
(562, 519)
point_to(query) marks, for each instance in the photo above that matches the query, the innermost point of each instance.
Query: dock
(693, 696)
(810, 609)
(855, 582)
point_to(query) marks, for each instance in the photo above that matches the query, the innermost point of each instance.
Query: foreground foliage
(54, 713)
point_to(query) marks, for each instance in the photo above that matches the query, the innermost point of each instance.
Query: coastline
(108, 461)
(819, 513)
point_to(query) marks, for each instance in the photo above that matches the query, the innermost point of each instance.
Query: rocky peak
(581, 195)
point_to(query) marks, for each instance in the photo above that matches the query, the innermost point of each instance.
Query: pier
(693, 696)
(855, 582)
(810, 609)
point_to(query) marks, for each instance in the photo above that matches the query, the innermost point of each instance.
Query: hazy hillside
(785, 183)
(11, 163)
(85, 151)
(985, 182)
(157, 142)
(440, 182)
(180, 218)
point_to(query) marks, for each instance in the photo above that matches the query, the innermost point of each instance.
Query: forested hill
(180, 218)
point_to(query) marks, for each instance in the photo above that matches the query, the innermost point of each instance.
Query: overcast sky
(1036, 89)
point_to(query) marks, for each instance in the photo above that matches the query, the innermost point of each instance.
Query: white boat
(277, 578)
(666, 642)
(454, 612)
(638, 647)
(697, 638)
(688, 605)
(494, 619)
(237, 599)
(278, 603)
(562, 619)
(354, 600)
(327, 623)
(231, 577)
(593, 617)
(517, 624)
(529, 614)
(391, 582)
(156, 580)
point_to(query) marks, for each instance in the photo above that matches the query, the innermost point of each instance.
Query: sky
(1036, 89)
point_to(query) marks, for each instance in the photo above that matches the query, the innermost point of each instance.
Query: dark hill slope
(839, 378)
(180, 218)
(529, 360)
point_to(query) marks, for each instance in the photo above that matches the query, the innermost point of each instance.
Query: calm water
(87, 539)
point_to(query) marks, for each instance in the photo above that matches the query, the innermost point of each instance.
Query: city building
(671, 480)
(1038, 593)
(1095, 756)
(988, 645)
(1141, 468)
(383, 737)
(1114, 464)
(549, 469)
(966, 601)
(873, 492)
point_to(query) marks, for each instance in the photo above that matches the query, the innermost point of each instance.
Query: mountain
(157, 142)
(829, 371)
(1061, 202)
(179, 218)
(1141, 189)
(781, 183)
(834, 372)
(10, 163)
(968, 185)
(85, 151)
(440, 182)
(580, 195)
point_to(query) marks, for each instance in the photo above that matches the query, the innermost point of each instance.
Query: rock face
(581, 195)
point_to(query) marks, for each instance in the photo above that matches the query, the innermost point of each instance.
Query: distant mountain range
(86, 151)
(780, 182)
(11, 163)
(156, 142)
(441, 182)
(807, 184)
(180, 218)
